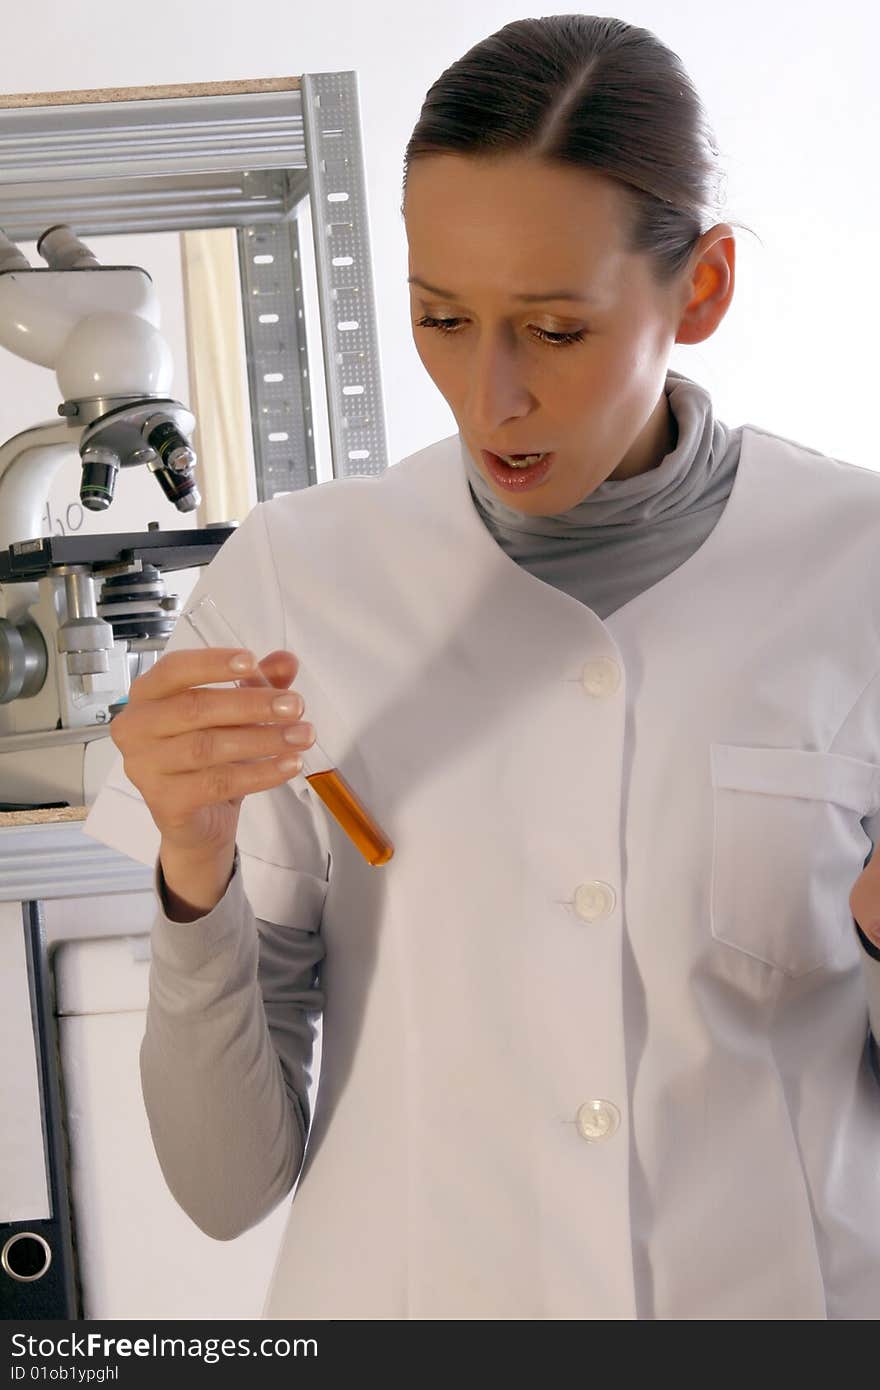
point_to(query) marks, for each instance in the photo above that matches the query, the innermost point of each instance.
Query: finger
(229, 781)
(864, 901)
(279, 667)
(177, 671)
(203, 707)
(203, 748)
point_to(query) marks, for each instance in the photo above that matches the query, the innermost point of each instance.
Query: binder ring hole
(26, 1257)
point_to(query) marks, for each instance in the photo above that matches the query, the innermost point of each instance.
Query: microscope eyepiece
(62, 249)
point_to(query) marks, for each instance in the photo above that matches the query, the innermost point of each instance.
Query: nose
(496, 390)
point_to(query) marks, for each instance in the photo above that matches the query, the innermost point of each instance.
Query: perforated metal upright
(273, 310)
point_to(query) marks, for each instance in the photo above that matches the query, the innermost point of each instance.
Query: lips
(517, 479)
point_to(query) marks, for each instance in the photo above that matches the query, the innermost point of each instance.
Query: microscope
(82, 616)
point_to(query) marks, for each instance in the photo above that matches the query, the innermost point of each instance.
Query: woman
(595, 1042)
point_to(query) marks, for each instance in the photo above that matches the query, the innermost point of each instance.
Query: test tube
(351, 815)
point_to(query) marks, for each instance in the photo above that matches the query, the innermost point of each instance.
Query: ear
(708, 290)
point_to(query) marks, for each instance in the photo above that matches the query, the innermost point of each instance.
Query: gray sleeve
(226, 1057)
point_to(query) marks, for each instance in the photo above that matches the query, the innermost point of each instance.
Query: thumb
(864, 900)
(279, 667)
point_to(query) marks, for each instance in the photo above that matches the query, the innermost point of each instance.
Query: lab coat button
(597, 1119)
(601, 677)
(594, 900)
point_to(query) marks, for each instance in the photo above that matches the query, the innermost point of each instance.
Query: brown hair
(598, 94)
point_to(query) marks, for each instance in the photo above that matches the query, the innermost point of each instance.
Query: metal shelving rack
(240, 154)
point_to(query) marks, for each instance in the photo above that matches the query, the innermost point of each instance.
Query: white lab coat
(624, 852)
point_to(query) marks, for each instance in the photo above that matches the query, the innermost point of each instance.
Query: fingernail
(286, 704)
(243, 661)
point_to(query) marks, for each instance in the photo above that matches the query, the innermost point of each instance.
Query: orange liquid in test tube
(350, 814)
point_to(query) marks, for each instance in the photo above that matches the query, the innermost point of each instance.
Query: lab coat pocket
(788, 845)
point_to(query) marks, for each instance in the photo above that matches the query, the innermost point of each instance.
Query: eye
(554, 339)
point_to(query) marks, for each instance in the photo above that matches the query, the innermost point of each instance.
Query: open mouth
(518, 471)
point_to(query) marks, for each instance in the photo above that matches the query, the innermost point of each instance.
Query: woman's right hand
(194, 754)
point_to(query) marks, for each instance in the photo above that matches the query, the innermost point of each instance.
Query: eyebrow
(524, 298)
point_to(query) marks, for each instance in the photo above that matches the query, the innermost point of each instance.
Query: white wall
(791, 91)
(792, 94)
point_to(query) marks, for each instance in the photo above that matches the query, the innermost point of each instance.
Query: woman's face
(483, 232)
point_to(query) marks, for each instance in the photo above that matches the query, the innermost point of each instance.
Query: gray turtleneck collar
(628, 533)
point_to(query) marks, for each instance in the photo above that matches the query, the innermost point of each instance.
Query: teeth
(521, 463)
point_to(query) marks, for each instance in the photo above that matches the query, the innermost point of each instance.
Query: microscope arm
(28, 463)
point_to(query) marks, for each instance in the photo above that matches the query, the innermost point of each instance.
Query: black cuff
(868, 945)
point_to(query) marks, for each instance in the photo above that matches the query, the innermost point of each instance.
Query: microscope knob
(23, 661)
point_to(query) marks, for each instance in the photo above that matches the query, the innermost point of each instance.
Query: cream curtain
(217, 374)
